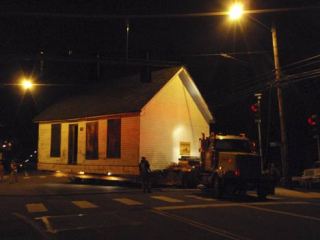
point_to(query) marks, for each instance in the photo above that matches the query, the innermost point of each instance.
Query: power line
(148, 16)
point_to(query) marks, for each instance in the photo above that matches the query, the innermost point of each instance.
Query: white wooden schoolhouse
(110, 128)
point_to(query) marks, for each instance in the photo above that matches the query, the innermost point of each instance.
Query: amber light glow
(27, 84)
(235, 11)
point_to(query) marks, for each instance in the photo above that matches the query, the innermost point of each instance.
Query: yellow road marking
(127, 201)
(167, 199)
(282, 212)
(219, 205)
(200, 198)
(36, 207)
(84, 204)
(47, 224)
(197, 206)
(199, 225)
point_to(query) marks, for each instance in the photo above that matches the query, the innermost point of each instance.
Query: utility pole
(98, 66)
(283, 134)
(127, 39)
(258, 121)
(318, 145)
(41, 62)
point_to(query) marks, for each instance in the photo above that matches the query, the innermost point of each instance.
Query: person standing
(145, 174)
(14, 172)
(1, 171)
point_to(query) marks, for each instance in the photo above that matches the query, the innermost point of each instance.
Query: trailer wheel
(217, 187)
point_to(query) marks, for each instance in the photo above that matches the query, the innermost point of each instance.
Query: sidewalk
(29, 183)
(297, 193)
(52, 183)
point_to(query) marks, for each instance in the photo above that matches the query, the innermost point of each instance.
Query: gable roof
(127, 95)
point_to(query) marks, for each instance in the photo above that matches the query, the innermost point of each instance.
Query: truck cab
(235, 157)
(231, 164)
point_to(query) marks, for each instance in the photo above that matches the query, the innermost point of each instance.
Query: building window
(114, 138)
(55, 140)
(92, 140)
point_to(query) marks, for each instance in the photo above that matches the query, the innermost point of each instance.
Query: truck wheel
(262, 195)
(217, 187)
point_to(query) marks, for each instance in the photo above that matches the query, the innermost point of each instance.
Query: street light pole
(283, 145)
(235, 13)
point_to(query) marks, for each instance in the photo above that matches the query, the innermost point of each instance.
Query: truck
(227, 164)
(230, 164)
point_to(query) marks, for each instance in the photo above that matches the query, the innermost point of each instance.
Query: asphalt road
(46, 208)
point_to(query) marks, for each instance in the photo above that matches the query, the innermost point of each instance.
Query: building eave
(195, 94)
(91, 118)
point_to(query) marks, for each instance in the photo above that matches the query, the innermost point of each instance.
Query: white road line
(84, 204)
(202, 226)
(200, 198)
(36, 207)
(275, 198)
(167, 199)
(127, 201)
(35, 226)
(42, 176)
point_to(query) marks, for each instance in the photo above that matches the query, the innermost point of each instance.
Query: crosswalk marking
(127, 201)
(36, 207)
(252, 194)
(200, 198)
(167, 199)
(84, 204)
(274, 197)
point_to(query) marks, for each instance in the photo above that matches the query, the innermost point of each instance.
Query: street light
(26, 84)
(235, 13)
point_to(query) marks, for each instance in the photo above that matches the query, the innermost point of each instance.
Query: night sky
(70, 35)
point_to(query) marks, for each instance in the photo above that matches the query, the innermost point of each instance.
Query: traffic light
(313, 121)
(255, 108)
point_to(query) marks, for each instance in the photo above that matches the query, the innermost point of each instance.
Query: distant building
(109, 129)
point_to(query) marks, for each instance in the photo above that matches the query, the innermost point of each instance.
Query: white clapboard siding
(127, 164)
(169, 118)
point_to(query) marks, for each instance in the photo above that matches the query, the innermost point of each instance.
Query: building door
(73, 144)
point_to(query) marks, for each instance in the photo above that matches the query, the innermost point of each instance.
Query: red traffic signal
(313, 120)
(254, 108)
